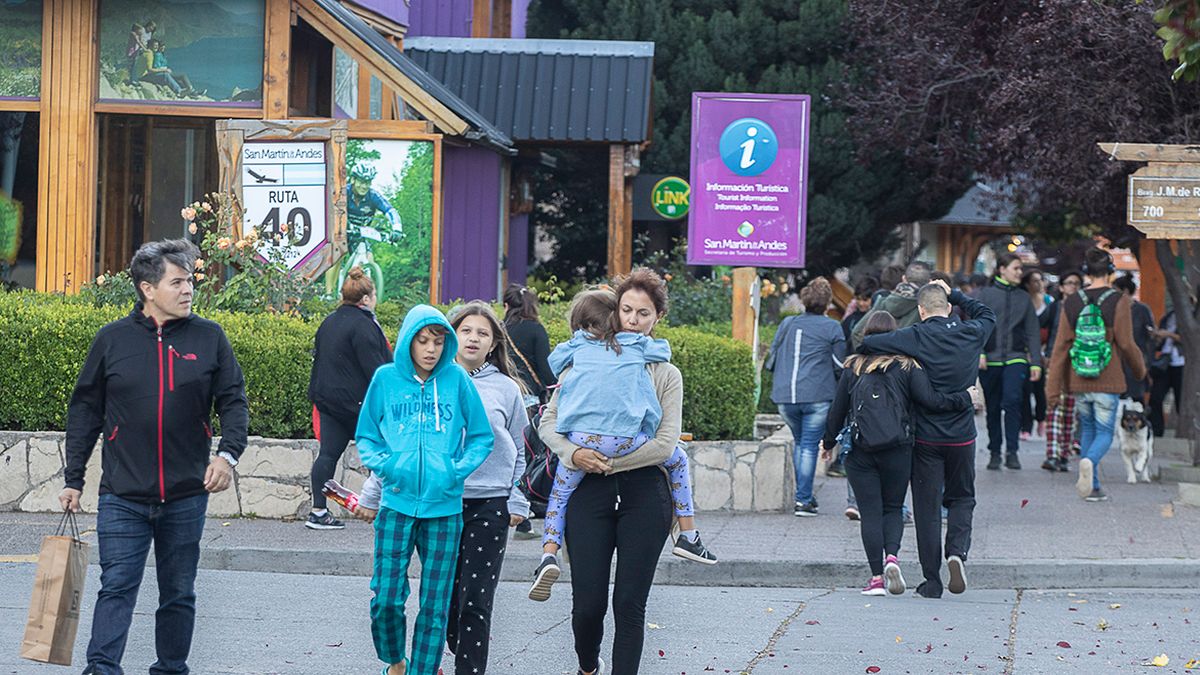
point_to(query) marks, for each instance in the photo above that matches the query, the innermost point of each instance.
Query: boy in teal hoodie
(422, 430)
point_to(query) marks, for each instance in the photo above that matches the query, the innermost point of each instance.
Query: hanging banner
(749, 175)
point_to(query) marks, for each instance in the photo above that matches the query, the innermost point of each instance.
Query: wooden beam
(27, 105)
(419, 129)
(276, 59)
(1148, 152)
(481, 19)
(171, 110)
(745, 315)
(66, 218)
(620, 212)
(364, 93)
(433, 109)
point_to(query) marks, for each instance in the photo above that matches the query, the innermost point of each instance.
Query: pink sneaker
(874, 587)
(895, 580)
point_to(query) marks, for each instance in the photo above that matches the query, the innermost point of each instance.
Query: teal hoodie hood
(423, 437)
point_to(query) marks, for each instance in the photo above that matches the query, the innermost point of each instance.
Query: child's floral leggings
(566, 480)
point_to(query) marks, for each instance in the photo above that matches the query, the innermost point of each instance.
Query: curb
(1151, 573)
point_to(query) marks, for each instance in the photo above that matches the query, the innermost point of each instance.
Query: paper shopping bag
(57, 597)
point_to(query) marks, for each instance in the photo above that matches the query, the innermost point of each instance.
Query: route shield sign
(285, 193)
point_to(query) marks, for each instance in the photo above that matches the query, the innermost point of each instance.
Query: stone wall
(271, 480)
(272, 477)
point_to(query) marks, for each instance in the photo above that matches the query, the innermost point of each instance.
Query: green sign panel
(670, 197)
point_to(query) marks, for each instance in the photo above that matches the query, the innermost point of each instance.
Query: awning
(547, 90)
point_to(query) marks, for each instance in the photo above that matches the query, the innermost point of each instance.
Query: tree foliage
(771, 46)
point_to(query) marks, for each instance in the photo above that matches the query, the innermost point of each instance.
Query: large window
(21, 54)
(182, 52)
(18, 197)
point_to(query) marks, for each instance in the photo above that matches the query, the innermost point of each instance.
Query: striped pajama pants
(436, 542)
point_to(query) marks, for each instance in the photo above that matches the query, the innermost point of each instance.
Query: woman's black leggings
(335, 436)
(480, 554)
(629, 513)
(880, 481)
(1034, 408)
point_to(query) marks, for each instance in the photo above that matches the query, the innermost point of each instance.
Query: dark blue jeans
(1004, 392)
(125, 530)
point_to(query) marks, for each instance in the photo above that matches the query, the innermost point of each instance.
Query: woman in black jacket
(876, 395)
(350, 346)
(529, 344)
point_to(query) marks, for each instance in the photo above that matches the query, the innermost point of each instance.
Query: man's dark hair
(938, 275)
(1098, 263)
(1126, 284)
(979, 280)
(890, 277)
(149, 263)
(933, 299)
(866, 287)
(917, 273)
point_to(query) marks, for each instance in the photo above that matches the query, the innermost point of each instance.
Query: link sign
(284, 195)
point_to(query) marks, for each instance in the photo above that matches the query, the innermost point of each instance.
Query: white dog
(1137, 441)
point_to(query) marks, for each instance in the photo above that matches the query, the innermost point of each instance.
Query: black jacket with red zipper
(150, 390)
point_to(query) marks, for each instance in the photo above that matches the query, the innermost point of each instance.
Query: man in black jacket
(943, 471)
(149, 385)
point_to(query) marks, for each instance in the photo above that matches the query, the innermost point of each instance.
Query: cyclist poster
(389, 213)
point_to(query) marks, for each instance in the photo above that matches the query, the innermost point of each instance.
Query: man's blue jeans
(125, 530)
(1097, 423)
(807, 422)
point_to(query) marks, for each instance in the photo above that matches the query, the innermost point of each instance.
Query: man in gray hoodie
(901, 303)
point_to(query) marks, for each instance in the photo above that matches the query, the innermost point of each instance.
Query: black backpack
(879, 416)
(540, 466)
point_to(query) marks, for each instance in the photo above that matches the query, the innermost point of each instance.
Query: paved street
(261, 624)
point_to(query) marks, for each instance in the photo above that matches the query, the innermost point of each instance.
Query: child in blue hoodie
(422, 430)
(612, 421)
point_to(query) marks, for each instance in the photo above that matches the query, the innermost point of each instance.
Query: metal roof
(484, 131)
(548, 90)
(986, 204)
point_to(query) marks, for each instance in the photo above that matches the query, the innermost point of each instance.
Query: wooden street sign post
(1164, 195)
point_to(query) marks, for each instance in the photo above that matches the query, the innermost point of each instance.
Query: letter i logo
(748, 146)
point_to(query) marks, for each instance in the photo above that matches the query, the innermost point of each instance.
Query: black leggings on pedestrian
(480, 554)
(1162, 382)
(1033, 408)
(628, 513)
(880, 481)
(335, 436)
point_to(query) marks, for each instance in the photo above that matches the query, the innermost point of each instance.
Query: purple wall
(470, 223)
(396, 10)
(520, 13)
(440, 18)
(518, 248)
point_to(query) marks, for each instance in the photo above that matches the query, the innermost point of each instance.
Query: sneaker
(874, 587)
(1097, 495)
(1011, 462)
(695, 551)
(543, 579)
(891, 574)
(958, 575)
(1083, 484)
(1064, 465)
(927, 589)
(325, 522)
(600, 668)
(837, 470)
(852, 513)
(1051, 464)
(994, 463)
(806, 509)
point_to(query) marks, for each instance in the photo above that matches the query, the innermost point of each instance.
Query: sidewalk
(1139, 539)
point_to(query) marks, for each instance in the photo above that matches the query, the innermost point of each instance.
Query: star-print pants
(566, 480)
(480, 553)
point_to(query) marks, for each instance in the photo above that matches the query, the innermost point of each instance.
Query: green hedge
(46, 338)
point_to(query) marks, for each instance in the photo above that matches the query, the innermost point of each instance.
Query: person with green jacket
(422, 429)
(1012, 355)
(901, 303)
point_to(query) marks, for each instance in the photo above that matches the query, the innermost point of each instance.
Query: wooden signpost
(1164, 195)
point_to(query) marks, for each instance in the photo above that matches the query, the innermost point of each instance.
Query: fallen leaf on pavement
(1102, 625)
(224, 524)
(1064, 644)
(336, 644)
(1168, 510)
(872, 669)
(899, 639)
(1115, 605)
(928, 648)
(812, 622)
(661, 654)
(1160, 661)
(1024, 502)
(770, 609)
(1080, 602)
(1191, 665)
(653, 626)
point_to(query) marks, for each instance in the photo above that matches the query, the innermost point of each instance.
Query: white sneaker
(1083, 485)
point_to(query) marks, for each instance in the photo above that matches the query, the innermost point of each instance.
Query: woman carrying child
(624, 503)
(875, 394)
(423, 430)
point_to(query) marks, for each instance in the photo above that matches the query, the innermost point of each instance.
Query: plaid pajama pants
(436, 542)
(1061, 429)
